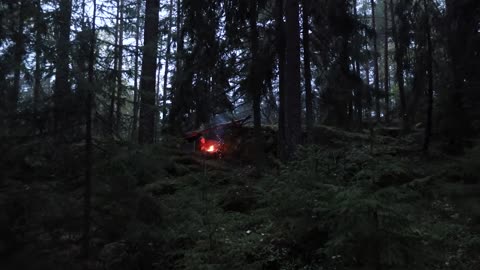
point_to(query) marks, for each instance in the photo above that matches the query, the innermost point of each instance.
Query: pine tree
(293, 128)
(255, 84)
(37, 87)
(386, 64)
(307, 70)
(62, 92)
(428, 128)
(89, 104)
(149, 67)
(119, 68)
(136, 98)
(399, 59)
(376, 80)
(167, 62)
(18, 54)
(280, 49)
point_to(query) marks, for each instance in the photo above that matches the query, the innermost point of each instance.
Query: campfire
(210, 140)
(210, 146)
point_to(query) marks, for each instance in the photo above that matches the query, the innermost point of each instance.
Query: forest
(240, 134)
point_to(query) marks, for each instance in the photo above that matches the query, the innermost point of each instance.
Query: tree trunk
(399, 70)
(307, 71)
(462, 20)
(359, 89)
(118, 115)
(272, 103)
(167, 62)
(255, 87)
(113, 94)
(386, 66)
(280, 48)
(179, 37)
(37, 85)
(135, 80)
(293, 107)
(19, 52)
(367, 89)
(62, 70)
(358, 100)
(147, 80)
(177, 91)
(88, 138)
(428, 128)
(157, 88)
(375, 62)
(419, 82)
(344, 64)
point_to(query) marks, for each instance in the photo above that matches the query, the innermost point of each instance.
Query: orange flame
(209, 146)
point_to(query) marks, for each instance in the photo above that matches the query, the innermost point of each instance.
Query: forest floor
(349, 202)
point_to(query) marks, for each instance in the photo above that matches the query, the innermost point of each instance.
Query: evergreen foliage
(347, 164)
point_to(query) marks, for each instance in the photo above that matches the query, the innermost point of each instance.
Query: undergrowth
(349, 210)
(331, 208)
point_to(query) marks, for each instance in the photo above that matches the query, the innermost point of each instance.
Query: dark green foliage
(345, 207)
(367, 199)
(368, 227)
(333, 207)
(240, 199)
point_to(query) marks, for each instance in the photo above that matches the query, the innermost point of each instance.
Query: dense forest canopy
(363, 62)
(93, 88)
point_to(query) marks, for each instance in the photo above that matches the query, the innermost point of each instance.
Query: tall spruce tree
(293, 106)
(149, 67)
(62, 92)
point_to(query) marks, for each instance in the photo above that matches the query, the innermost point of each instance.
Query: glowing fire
(209, 146)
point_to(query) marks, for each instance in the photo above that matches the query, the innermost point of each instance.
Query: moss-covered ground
(348, 202)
